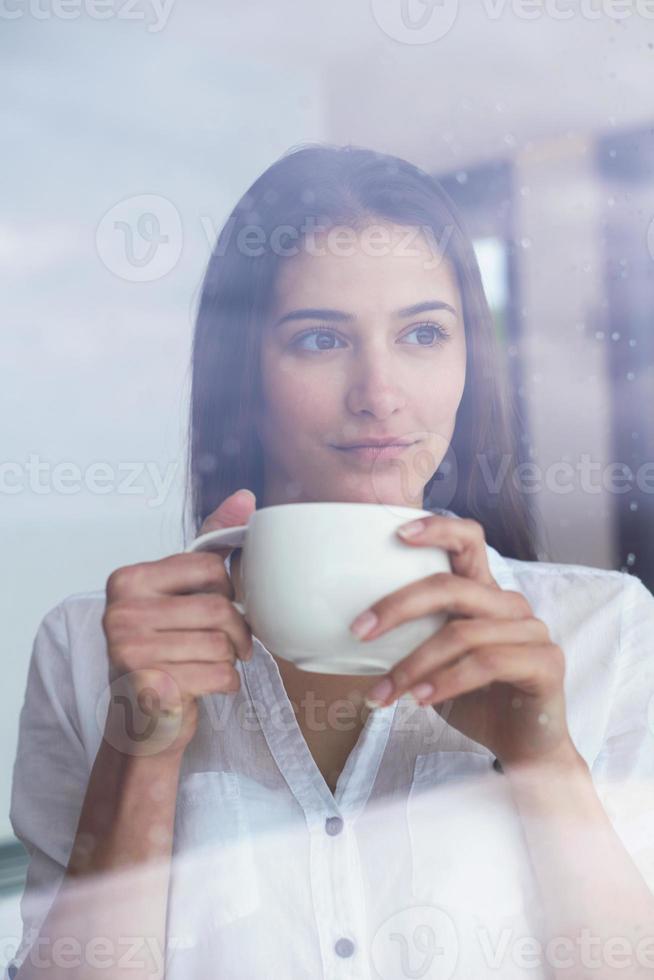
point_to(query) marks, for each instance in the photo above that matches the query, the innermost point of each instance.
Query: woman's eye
(429, 332)
(318, 334)
(429, 335)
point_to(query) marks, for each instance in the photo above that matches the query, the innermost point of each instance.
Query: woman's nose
(376, 389)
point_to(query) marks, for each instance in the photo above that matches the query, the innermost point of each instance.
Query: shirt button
(333, 825)
(344, 947)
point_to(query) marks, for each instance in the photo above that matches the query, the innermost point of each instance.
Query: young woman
(215, 811)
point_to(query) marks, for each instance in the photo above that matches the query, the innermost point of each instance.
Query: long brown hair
(325, 185)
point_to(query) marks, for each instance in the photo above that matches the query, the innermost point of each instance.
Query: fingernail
(380, 692)
(411, 529)
(364, 623)
(421, 691)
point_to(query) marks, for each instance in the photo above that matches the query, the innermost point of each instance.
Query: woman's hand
(173, 634)
(493, 657)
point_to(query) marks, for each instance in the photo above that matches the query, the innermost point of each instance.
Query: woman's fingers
(187, 572)
(464, 540)
(162, 620)
(536, 669)
(455, 640)
(167, 687)
(445, 592)
(207, 646)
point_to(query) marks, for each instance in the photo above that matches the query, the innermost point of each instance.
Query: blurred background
(129, 131)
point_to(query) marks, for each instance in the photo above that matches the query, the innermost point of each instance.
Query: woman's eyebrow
(316, 313)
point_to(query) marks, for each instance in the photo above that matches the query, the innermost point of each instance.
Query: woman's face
(365, 367)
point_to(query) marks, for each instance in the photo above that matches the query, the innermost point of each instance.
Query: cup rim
(418, 511)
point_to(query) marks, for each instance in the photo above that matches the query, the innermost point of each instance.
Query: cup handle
(224, 537)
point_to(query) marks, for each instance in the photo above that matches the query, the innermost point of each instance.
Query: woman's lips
(376, 452)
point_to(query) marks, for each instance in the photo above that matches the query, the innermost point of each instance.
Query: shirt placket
(337, 883)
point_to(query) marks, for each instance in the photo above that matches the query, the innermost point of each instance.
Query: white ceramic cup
(308, 569)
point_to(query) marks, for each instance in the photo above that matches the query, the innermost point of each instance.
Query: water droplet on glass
(633, 505)
(615, 335)
(631, 558)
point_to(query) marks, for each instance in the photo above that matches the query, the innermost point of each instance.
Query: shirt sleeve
(50, 774)
(623, 771)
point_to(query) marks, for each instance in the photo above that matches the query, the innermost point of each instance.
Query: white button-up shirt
(416, 866)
